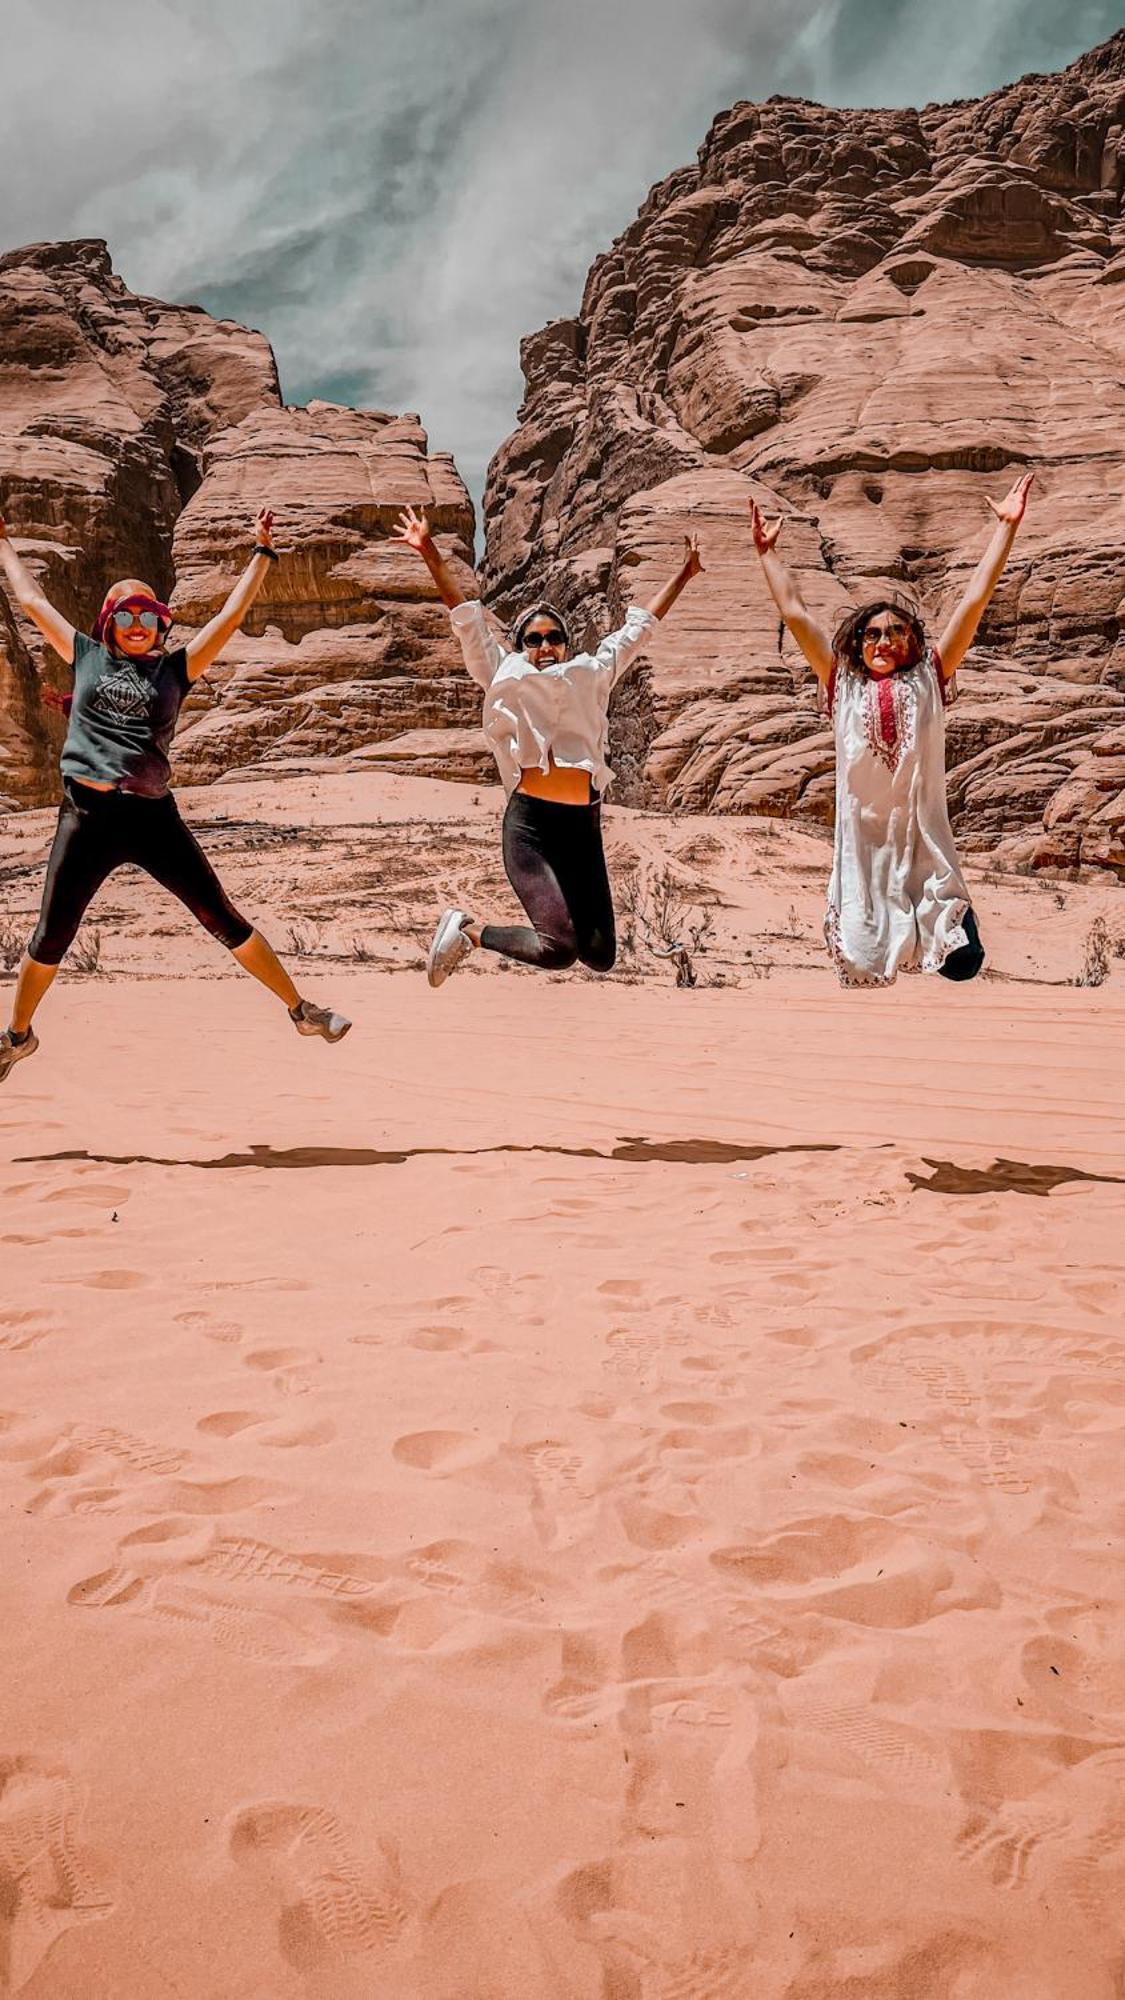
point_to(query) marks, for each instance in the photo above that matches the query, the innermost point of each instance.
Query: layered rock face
(867, 320)
(140, 439)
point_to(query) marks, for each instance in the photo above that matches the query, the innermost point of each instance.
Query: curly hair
(847, 640)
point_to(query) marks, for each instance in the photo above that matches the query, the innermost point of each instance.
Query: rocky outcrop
(347, 649)
(866, 320)
(138, 438)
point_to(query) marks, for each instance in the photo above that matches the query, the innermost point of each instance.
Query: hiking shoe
(13, 1052)
(309, 1019)
(450, 945)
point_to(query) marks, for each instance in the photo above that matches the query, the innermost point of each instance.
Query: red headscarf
(129, 600)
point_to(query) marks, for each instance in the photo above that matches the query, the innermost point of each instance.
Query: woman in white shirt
(897, 899)
(546, 722)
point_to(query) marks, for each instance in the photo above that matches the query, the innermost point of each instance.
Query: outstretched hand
(413, 529)
(765, 532)
(693, 561)
(1011, 508)
(263, 528)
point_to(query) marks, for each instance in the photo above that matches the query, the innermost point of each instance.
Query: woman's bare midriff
(561, 784)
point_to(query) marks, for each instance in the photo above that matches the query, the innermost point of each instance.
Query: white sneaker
(449, 947)
(13, 1052)
(308, 1019)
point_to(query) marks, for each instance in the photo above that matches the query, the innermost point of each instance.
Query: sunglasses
(123, 619)
(555, 638)
(874, 632)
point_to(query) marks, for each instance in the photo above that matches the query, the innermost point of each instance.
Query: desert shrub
(12, 943)
(1095, 965)
(659, 917)
(303, 938)
(86, 952)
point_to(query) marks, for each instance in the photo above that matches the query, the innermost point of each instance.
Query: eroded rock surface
(868, 321)
(138, 438)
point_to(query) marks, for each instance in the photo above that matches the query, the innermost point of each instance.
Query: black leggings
(967, 960)
(100, 831)
(554, 861)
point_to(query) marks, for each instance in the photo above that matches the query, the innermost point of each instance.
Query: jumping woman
(897, 899)
(117, 806)
(546, 723)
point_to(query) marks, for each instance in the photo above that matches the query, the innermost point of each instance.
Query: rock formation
(868, 320)
(138, 438)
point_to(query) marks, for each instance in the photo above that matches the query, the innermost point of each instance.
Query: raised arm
(617, 652)
(55, 628)
(811, 637)
(480, 648)
(961, 630)
(414, 530)
(206, 646)
(691, 566)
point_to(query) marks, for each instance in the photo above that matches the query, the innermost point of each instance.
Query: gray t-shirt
(123, 717)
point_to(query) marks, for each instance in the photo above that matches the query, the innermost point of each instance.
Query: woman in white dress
(897, 899)
(546, 721)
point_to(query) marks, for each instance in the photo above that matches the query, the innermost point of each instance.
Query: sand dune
(592, 1492)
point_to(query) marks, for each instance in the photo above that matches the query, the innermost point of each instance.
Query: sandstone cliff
(868, 320)
(138, 438)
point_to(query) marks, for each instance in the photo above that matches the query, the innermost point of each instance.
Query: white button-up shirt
(533, 714)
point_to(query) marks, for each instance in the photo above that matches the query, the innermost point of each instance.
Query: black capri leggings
(100, 831)
(554, 861)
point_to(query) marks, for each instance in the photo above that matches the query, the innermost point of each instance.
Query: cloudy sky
(396, 193)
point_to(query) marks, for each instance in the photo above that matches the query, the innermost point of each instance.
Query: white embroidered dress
(532, 714)
(897, 898)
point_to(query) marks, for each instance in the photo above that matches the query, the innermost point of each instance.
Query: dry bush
(1095, 965)
(11, 947)
(304, 939)
(659, 917)
(1102, 945)
(85, 953)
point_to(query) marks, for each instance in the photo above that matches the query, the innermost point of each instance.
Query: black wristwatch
(260, 550)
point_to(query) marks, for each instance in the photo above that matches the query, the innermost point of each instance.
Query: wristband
(270, 553)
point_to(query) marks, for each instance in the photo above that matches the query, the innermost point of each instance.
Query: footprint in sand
(289, 1368)
(463, 1573)
(67, 1465)
(635, 1352)
(232, 1423)
(333, 1904)
(631, 1914)
(440, 1451)
(258, 1636)
(437, 1339)
(860, 1569)
(223, 1330)
(98, 1194)
(47, 1883)
(900, 1755)
(109, 1281)
(20, 1330)
(134, 1452)
(237, 1559)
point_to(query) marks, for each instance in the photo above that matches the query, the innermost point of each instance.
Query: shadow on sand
(676, 1152)
(1002, 1177)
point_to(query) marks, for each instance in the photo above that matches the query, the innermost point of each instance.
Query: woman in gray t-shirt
(118, 807)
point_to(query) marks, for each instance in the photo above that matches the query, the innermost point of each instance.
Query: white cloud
(396, 193)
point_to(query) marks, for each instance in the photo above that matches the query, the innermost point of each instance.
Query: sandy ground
(585, 1491)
